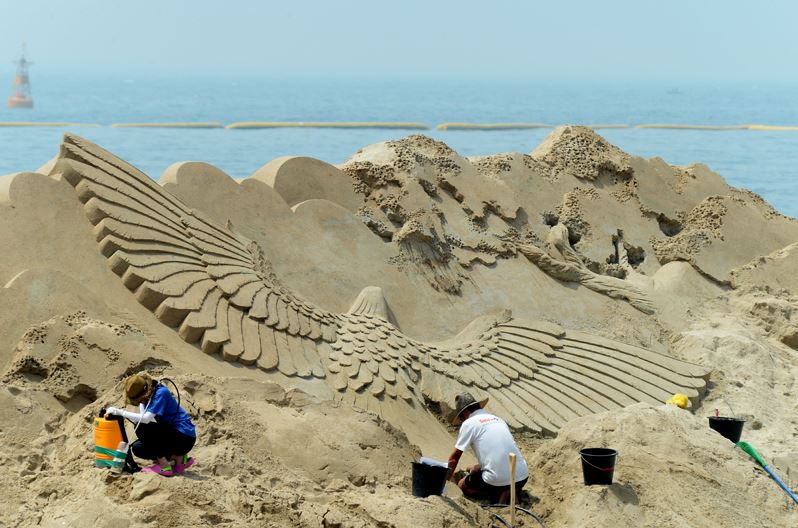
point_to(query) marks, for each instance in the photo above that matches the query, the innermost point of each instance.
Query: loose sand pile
(387, 280)
(672, 470)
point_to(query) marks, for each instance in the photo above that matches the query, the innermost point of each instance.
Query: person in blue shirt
(165, 433)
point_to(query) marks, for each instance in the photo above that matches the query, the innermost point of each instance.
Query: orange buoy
(21, 95)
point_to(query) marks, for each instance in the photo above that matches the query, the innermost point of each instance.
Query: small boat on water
(20, 92)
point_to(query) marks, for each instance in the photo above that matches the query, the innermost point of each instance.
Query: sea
(765, 162)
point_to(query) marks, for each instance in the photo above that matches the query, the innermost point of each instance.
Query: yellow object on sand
(679, 400)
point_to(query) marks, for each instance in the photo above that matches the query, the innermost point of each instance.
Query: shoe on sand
(165, 471)
(181, 467)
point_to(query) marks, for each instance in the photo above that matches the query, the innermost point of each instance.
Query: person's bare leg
(164, 462)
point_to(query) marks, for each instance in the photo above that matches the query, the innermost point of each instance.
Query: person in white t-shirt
(492, 442)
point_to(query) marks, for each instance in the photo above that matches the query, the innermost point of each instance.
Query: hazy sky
(551, 39)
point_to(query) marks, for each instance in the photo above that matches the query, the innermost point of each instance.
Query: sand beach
(318, 321)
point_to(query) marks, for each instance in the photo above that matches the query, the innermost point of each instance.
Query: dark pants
(160, 440)
(479, 489)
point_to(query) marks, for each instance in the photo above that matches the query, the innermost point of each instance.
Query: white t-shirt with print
(492, 442)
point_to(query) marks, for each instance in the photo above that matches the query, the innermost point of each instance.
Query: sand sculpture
(571, 269)
(617, 270)
(219, 290)
(457, 224)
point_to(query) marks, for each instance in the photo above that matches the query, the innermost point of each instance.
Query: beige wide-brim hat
(138, 387)
(463, 402)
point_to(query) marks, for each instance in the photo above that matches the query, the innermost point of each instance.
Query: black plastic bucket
(598, 465)
(428, 480)
(731, 428)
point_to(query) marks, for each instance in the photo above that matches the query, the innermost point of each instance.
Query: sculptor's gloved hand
(114, 410)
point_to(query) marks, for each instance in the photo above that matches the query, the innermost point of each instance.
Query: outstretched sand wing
(539, 375)
(213, 285)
